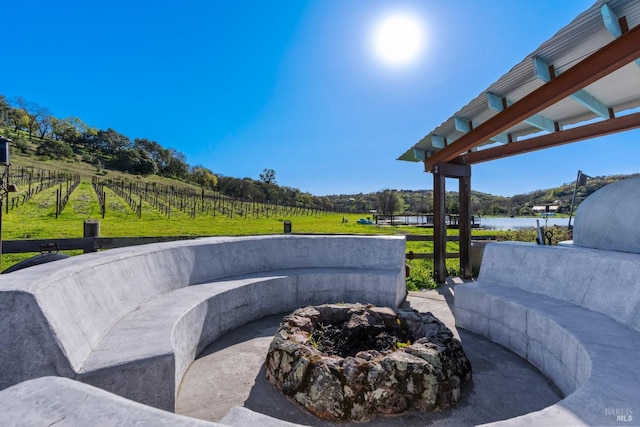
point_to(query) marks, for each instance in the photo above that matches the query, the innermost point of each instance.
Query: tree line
(62, 138)
(393, 202)
(71, 137)
(66, 138)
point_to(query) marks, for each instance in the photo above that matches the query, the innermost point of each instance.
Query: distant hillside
(40, 139)
(265, 190)
(421, 201)
(69, 144)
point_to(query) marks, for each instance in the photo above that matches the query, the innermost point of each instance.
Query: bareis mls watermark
(620, 414)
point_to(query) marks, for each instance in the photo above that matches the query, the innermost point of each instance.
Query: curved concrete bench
(132, 320)
(574, 313)
(47, 401)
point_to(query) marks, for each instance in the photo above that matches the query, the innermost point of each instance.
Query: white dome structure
(610, 218)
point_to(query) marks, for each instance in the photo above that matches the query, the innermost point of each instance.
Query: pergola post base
(441, 171)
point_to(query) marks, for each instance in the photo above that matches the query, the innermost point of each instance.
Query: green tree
(18, 119)
(62, 130)
(388, 202)
(423, 205)
(452, 203)
(497, 209)
(160, 155)
(5, 108)
(204, 177)
(526, 211)
(268, 176)
(177, 166)
(71, 130)
(54, 150)
(135, 161)
(110, 142)
(34, 112)
(44, 125)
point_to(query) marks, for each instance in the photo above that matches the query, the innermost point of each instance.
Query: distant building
(546, 208)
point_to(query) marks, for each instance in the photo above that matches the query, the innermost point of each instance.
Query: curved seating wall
(56, 318)
(47, 401)
(573, 313)
(603, 281)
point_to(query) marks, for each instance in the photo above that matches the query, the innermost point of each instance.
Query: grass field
(35, 219)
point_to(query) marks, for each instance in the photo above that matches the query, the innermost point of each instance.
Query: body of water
(487, 223)
(519, 223)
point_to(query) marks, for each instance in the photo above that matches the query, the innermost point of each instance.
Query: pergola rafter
(580, 133)
(580, 74)
(615, 55)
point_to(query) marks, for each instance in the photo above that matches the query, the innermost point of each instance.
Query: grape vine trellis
(169, 199)
(36, 180)
(71, 182)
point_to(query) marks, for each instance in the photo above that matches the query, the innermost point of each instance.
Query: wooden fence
(87, 244)
(92, 242)
(429, 255)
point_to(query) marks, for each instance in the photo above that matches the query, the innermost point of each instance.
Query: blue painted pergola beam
(545, 72)
(438, 141)
(462, 124)
(612, 23)
(465, 125)
(496, 102)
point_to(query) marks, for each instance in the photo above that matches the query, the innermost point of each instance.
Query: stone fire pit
(351, 362)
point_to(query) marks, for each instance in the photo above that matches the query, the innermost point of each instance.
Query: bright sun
(398, 39)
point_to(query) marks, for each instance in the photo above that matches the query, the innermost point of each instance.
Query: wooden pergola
(582, 83)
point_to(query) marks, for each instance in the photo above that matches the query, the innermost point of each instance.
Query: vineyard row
(167, 199)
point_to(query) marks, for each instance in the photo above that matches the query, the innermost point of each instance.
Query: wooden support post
(462, 173)
(91, 229)
(464, 204)
(439, 227)
(1, 203)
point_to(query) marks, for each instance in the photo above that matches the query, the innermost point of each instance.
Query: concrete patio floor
(231, 373)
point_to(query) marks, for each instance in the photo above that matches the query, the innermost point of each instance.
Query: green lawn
(36, 220)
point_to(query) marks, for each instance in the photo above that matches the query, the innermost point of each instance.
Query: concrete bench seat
(132, 320)
(574, 313)
(47, 401)
(161, 338)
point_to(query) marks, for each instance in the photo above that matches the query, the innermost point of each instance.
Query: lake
(494, 223)
(487, 223)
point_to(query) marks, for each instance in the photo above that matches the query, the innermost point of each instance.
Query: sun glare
(398, 39)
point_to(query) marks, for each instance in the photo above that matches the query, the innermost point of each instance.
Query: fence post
(91, 229)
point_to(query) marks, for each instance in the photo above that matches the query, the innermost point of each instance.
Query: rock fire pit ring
(352, 362)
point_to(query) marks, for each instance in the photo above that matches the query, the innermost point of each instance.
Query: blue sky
(294, 86)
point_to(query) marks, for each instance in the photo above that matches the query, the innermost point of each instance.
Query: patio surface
(231, 373)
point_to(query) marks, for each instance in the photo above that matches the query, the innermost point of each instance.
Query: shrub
(54, 150)
(559, 234)
(90, 158)
(21, 145)
(420, 275)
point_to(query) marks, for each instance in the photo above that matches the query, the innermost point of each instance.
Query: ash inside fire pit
(361, 332)
(351, 362)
